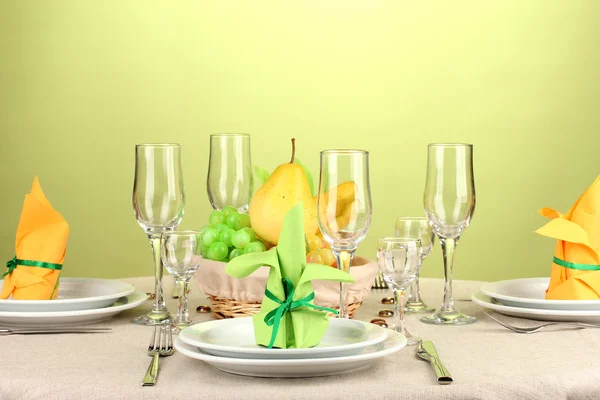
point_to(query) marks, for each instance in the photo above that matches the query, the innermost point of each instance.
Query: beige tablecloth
(486, 360)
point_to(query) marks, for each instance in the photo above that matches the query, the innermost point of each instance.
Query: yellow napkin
(41, 243)
(576, 267)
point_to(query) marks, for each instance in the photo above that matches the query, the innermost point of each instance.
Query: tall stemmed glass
(344, 207)
(158, 201)
(229, 179)
(418, 228)
(399, 260)
(180, 255)
(449, 201)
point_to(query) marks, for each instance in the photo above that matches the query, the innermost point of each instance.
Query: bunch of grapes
(318, 251)
(228, 235)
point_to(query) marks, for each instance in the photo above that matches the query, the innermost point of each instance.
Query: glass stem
(159, 310)
(414, 296)
(344, 261)
(183, 314)
(448, 247)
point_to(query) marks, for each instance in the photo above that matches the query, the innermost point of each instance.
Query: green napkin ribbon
(12, 264)
(581, 267)
(273, 318)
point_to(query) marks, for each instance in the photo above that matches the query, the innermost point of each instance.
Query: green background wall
(81, 82)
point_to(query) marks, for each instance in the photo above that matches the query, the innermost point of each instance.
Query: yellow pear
(286, 187)
(345, 209)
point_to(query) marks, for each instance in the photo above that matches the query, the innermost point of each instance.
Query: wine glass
(180, 256)
(158, 201)
(418, 228)
(344, 206)
(229, 179)
(399, 260)
(449, 201)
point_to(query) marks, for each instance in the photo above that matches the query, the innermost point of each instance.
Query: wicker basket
(232, 298)
(231, 308)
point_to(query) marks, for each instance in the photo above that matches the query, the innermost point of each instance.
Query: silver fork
(161, 346)
(379, 282)
(579, 325)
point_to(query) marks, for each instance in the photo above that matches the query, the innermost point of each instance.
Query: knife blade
(32, 331)
(426, 350)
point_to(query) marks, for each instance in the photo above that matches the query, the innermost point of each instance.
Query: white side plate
(74, 294)
(530, 293)
(536, 313)
(235, 338)
(18, 319)
(297, 368)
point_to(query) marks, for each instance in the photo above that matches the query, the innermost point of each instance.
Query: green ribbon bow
(581, 267)
(12, 264)
(273, 318)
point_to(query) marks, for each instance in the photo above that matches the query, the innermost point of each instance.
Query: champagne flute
(418, 228)
(449, 201)
(399, 260)
(229, 179)
(158, 201)
(180, 255)
(344, 207)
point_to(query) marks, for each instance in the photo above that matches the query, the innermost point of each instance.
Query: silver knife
(426, 351)
(32, 331)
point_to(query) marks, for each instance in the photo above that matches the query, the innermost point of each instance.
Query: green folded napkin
(288, 317)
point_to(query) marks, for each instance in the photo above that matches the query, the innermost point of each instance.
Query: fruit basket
(232, 298)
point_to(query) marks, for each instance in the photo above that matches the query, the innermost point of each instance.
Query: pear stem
(293, 150)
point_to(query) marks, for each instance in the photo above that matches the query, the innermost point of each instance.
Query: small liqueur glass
(418, 228)
(399, 260)
(180, 256)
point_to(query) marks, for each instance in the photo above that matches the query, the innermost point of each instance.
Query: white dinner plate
(46, 319)
(297, 368)
(235, 338)
(530, 292)
(536, 313)
(74, 294)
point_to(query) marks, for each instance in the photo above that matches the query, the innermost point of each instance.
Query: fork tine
(170, 340)
(512, 328)
(153, 339)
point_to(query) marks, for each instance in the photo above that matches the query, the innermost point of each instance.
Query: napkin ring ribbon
(581, 267)
(273, 318)
(12, 264)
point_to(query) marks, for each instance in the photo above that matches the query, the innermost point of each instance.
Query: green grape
(216, 217)
(240, 239)
(254, 247)
(217, 251)
(244, 221)
(204, 228)
(226, 235)
(233, 221)
(209, 236)
(204, 252)
(250, 232)
(235, 253)
(229, 210)
(221, 227)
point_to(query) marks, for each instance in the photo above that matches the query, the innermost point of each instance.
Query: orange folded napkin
(576, 267)
(41, 244)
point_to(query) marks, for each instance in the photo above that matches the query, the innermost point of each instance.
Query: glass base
(179, 326)
(448, 318)
(411, 340)
(417, 307)
(153, 318)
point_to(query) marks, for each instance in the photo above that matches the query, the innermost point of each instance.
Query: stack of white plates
(526, 298)
(229, 346)
(79, 301)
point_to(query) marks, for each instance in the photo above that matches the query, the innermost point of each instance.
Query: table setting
(269, 298)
